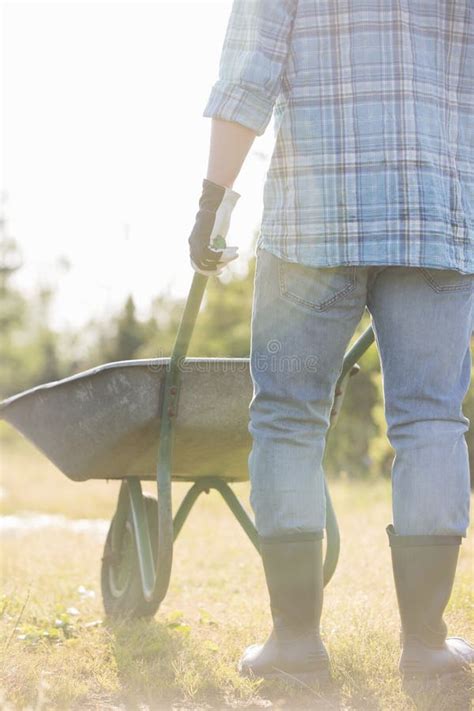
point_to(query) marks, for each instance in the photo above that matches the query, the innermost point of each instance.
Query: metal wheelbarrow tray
(177, 418)
(104, 423)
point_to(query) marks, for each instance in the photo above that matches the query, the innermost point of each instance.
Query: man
(368, 202)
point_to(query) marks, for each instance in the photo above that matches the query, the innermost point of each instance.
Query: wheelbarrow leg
(203, 486)
(142, 537)
(237, 509)
(332, 531)
(214, 482)
(120, 517)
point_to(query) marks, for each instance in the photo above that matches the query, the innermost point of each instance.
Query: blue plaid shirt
(373, 106)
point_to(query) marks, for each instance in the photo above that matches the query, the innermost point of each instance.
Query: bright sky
(105, 146)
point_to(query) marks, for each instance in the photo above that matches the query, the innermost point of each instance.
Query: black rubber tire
(126, 600)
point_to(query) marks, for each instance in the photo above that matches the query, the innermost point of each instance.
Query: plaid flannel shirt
(373, 102)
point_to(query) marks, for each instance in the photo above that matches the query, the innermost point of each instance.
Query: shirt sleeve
(252, 62)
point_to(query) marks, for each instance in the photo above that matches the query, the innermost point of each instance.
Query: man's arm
(251, 68)
(252, 63)
(229, 146)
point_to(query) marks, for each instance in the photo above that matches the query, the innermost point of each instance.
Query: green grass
(217, 604)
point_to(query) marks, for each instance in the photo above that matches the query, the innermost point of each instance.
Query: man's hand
(208, 252)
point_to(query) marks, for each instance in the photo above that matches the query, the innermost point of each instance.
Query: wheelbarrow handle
(164, 557)
(188, 320)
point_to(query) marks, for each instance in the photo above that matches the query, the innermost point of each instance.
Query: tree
(130, 332)
(28, 346)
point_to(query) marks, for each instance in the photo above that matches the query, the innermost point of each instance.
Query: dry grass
(216, 605)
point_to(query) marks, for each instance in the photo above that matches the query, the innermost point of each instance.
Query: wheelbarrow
(173, 419)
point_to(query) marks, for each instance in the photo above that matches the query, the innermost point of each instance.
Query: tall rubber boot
(294, 650)
(424, 568)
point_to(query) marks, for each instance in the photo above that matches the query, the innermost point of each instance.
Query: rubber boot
(424, 568)
(294, 650)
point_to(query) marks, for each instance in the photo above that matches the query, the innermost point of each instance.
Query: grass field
(58, 651)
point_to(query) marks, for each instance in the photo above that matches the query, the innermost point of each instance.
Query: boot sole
(421, 683)
(307, 680)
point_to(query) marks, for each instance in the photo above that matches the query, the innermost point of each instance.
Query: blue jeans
(302, 321)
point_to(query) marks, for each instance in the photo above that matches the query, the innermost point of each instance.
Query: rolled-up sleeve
(252, 62)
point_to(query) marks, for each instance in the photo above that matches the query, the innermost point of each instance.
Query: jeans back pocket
(316, 288)
(442, 280)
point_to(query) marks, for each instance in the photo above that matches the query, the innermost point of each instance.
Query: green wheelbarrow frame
(155, 570)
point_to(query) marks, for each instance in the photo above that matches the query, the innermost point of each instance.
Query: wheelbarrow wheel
(122, 592)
